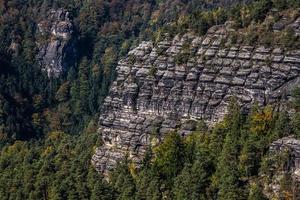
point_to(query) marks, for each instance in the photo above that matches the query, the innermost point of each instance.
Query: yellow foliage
(55, 135)
(217, 14)
(47, 151)
(244, 158)
(63, 92)
(96, 70)
(154, 141)
(54, 119)
(288, 195)
(245, 15)
(37, 100)
(132, 169)
(214, 181)
(17, 148)
(154, 17)
(158, 35)
(36, 119)
(108, 59)
(182, 20)
(260, 121)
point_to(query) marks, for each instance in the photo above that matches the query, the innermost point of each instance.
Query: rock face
(161, 87)
(291, 145)
(290, 148)
(56, 42)
(285, 22)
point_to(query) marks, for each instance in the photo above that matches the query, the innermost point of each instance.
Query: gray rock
(291, 147)
(177, 94)
(58, 51)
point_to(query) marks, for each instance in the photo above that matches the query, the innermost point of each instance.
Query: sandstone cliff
(56, 42)
(163, 87)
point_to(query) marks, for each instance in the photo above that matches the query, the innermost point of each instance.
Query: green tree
(123, 181)
(169, 156)
(229, 182)
(108, 60)
(63, 92)
(83, 86)
(282, 126)
(193, 180)
(256, 192)
(259, 9)
(148, 185)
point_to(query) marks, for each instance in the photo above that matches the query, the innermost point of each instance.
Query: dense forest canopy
(48, 125)
(229, 161)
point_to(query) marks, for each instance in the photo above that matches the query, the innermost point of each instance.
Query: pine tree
(193, 180)
(228, 174)
(148, 185)
(123, 181)
(102, 191)
(83, 86)
(169, 156)
(282, 126)
(256, 192)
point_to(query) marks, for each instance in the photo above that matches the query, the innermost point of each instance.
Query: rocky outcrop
(160, 87)
(285, 22)
(284, 155)
(56, 42)
(292, 147)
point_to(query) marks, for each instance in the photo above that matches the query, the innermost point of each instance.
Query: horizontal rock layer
(160, 87)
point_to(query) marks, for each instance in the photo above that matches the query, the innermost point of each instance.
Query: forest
(32, 105)
(48, 126)
(229, 161)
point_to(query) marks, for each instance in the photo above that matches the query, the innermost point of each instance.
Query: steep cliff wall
(163, 87)
(56, 42)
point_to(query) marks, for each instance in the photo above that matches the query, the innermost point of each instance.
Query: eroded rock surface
(158, 88)
(286, 152)
(56, 42)
(292, 147)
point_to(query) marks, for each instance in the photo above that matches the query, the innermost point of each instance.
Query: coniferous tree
(256, 192)
(229, 183)
(193, 180)
(83, 85)
(123, 181)
(169, 156)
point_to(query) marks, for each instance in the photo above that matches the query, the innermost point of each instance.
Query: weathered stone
(290, 147)
(201, 88)
(210, 52)
(59, 50)
(238, 81)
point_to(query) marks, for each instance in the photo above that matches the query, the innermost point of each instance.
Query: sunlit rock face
(56, 42)
(162, 87)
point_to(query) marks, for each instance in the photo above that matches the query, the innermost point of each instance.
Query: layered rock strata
(161, 86)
